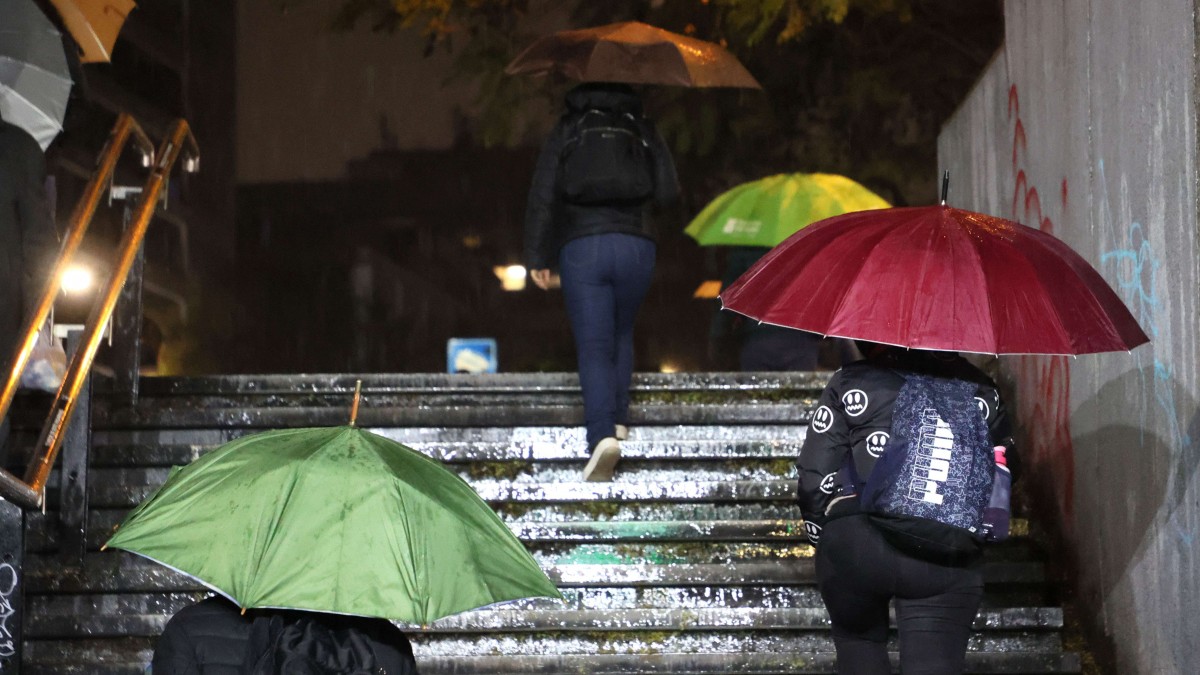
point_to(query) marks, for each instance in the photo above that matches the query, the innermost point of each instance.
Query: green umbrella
(333, 520)
(767, 211)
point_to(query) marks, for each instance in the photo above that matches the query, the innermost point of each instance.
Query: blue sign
(471, 355)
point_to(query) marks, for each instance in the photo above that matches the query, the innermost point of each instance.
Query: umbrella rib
(6, 90)
(29, 65)
(987, 297)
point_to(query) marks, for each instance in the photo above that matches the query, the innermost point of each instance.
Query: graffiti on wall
(1138, 268)
(1043, 383)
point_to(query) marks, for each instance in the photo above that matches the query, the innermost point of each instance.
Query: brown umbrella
(94, 24)
(636, 53)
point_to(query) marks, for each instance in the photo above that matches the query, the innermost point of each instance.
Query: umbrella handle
(354, 406)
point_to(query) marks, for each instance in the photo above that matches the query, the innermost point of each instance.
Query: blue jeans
(604, 279)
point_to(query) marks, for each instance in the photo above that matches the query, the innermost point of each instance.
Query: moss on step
(507, 470)
(715, 396)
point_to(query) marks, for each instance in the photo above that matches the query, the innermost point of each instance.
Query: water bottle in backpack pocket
(998, 513)
(930, 489)
(606, 160)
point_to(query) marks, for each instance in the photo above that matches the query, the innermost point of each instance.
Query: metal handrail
(81, 219)
(30, 492)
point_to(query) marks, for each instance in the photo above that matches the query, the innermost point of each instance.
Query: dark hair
(613, 87)
(870, 349)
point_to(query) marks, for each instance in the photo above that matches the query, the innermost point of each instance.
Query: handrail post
(126, 347)
(81, 218)
(51, 437)
(73, 484)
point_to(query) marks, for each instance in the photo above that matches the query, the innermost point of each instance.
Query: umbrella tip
(354, 406)
(243, 611)
(945, 186)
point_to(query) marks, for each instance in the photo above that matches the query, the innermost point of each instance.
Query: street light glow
(77, 279)
(512, 277)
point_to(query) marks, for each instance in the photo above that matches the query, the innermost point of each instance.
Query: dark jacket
(308, 643)
(857, 404)
(213, 637)
(550, 222)
(207, 638)
(28, 238)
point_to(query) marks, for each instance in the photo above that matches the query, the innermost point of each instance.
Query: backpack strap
(581, 118)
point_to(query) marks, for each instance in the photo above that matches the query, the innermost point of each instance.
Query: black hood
(604, 96)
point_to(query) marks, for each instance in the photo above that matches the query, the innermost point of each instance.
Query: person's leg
(588, 292)
(935, 616)
(853, 576)
(633, 261)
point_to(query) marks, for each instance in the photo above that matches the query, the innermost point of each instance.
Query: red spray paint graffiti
(1043, 382)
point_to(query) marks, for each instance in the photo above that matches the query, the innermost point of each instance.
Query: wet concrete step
(630, 470)
(761, 663)
(120, 572)
(625, 540)
(517, 635)
(341, 385)
(1020, 627)
(42, 533)
(407, 400)
(686, 640)
(673, 443)
(612, 599)
(129, 657)
(465, 413)
(119, 494)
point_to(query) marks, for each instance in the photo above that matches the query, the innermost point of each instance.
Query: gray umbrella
(34, 79)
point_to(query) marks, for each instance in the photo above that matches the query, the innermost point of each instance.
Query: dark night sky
(310, 99)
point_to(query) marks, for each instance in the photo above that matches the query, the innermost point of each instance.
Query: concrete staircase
(692, 561)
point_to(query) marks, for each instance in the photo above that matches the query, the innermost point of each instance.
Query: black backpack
(928, 491)
(606, 160)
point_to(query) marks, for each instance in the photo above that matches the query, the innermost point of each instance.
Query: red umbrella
(939, 278)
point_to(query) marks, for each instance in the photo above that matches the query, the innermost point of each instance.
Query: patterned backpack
(928, 491)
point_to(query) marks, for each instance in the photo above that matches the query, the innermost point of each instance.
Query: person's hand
(544, 279)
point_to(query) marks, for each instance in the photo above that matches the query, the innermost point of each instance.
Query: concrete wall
(1085, 126)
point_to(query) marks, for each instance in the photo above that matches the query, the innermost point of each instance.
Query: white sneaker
(622, 432)
(603, 462)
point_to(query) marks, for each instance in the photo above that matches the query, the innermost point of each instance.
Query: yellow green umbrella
(767, 211)
(333, 520)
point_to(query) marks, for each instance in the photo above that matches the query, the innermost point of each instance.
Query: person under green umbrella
(337, 520)
(324, 535)
(751, 218)
(214, 637)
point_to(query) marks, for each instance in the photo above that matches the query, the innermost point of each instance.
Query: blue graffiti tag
(1137, 269)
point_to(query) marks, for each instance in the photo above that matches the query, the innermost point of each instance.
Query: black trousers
(859, 573)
